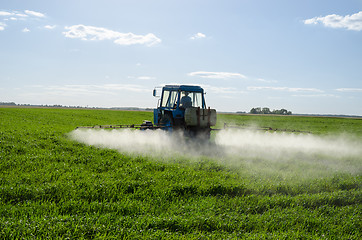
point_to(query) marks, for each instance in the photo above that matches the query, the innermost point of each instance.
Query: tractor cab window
(169, 99)
(197, 99)
(190, 99)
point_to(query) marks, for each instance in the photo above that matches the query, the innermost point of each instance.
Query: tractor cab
(175, 99)
(181, 97)
(183, 107)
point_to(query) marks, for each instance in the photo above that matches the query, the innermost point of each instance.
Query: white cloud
(91, 90)
(208, 88)
(287, 89)
(349, 89)
(91, 33)
(266, 81)
(2, 26)
(16, 15)
(315, 95)
(6, 14)
(141, 77)
(50, 27)
(221, 90)
(198, 36)
(26, 13)
(350, 22)
(34, 14)
(124, 87)
(146, 78)
(216, 75)
(20, 15)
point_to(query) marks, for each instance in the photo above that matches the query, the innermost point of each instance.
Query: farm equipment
(180, 107)
(183, 107)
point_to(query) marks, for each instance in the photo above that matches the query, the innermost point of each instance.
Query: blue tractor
(183, 107)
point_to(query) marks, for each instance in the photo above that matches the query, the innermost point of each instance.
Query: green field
(52, 186)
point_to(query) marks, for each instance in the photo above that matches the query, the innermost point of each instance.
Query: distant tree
(266, 111)
(283, 111)
(255, 110)
(8, 103)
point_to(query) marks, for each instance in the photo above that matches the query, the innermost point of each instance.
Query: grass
(54, 187)
(315, 125)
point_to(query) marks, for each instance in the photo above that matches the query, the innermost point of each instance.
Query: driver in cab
(185, 101)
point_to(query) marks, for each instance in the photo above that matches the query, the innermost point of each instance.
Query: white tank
(200, 117)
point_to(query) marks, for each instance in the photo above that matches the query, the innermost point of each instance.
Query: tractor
(183, 107)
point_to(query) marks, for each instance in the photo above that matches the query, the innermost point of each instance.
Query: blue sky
(305, 56)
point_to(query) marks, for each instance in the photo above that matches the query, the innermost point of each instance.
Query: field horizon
(141, 109)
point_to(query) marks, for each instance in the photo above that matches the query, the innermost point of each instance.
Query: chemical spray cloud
(296, 152)
(235, 145)
(279, 144)
(148, 142)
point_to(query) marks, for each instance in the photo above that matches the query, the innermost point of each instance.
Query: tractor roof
(189, 88)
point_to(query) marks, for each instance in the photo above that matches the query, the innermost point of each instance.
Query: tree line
(8, 103)
(38, 105)
(266, 110)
